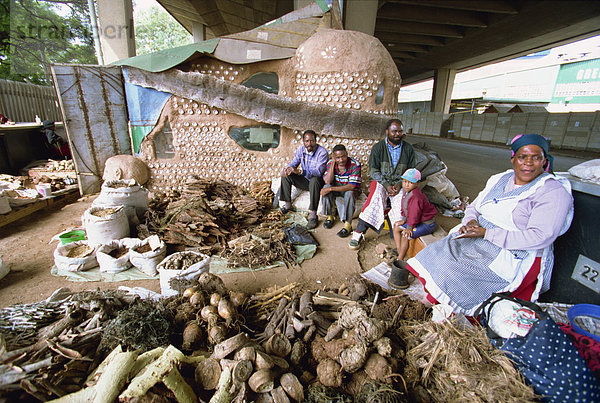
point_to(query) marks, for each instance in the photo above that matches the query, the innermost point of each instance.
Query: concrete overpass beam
(117, 39)
(443, 83)
(360, 15)
(198, 31)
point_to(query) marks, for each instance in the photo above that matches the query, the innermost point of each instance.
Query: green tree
(36, 33)
(156, 30)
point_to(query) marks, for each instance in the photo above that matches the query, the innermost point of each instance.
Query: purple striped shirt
(313, 164)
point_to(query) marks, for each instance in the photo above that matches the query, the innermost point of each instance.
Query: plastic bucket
(72, 236)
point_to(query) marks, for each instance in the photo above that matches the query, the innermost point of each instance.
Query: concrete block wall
(572, 131)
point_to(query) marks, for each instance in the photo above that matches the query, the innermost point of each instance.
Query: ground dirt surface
(26, 248)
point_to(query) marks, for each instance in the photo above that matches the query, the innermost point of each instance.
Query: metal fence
(572, 131)
(21, 102)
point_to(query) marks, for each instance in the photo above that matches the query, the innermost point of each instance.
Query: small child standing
(416, 213)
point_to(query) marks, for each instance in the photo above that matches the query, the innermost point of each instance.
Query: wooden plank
(60, 198)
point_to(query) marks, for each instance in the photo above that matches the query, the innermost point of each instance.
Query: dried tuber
(329, 373)
(192, 336)
(208, 373)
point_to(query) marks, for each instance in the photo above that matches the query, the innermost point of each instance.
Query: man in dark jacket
(388, 161)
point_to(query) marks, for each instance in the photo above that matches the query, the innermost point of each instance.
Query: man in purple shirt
(305, 171)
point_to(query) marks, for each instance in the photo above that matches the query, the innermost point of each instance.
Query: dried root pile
(458, 364)
(211, 343)
(205, 213)
(261, 191)
(269, 246)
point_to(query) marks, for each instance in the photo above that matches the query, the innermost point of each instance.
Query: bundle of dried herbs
(143, 325)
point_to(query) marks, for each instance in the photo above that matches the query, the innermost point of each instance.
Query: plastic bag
(82, 263)
(588, 171)
(541, 356)
(298, 235)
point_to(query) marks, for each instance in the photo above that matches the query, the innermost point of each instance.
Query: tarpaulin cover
(165, 59)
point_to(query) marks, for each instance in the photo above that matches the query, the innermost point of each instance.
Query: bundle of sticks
(60, 354)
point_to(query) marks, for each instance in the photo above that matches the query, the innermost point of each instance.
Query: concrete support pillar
(298, 4)
(443, 83)
(198, 32)
(117, 38)
(360, 15)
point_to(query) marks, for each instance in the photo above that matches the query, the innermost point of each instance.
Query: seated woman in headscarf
(504, 242)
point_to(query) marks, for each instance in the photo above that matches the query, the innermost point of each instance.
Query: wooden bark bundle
(206, 213)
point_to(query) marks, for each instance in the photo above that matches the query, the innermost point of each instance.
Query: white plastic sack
(4, 204)
(101, 230)
(588, 171)
(4, 270)
(126, 193)
(147, 261)
(109, 264)
(190, 272)
(63, 262)
(301, 199)
(442, 184)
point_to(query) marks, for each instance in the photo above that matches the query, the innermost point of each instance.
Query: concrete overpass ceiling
(224, 17)
(426, 35)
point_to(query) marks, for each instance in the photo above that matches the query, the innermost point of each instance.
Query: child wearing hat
(412, 217)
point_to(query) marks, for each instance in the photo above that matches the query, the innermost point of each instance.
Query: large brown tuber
(317, 349)
(216, 333)
(238, 298)
(279, 395)
(353, 358)
(298, 352)
(280, 362)
(383, 346)
(333, 348)
(378, 368)
(226, 347)
(208, 373)
(369, 330)
(329, 373)
(210, 283)
(263, 361)
(357, 380)
(240, 370)
(246, 353)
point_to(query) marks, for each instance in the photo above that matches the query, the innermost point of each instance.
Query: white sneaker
(357, 238)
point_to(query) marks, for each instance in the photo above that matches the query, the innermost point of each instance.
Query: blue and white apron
(465, 272)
